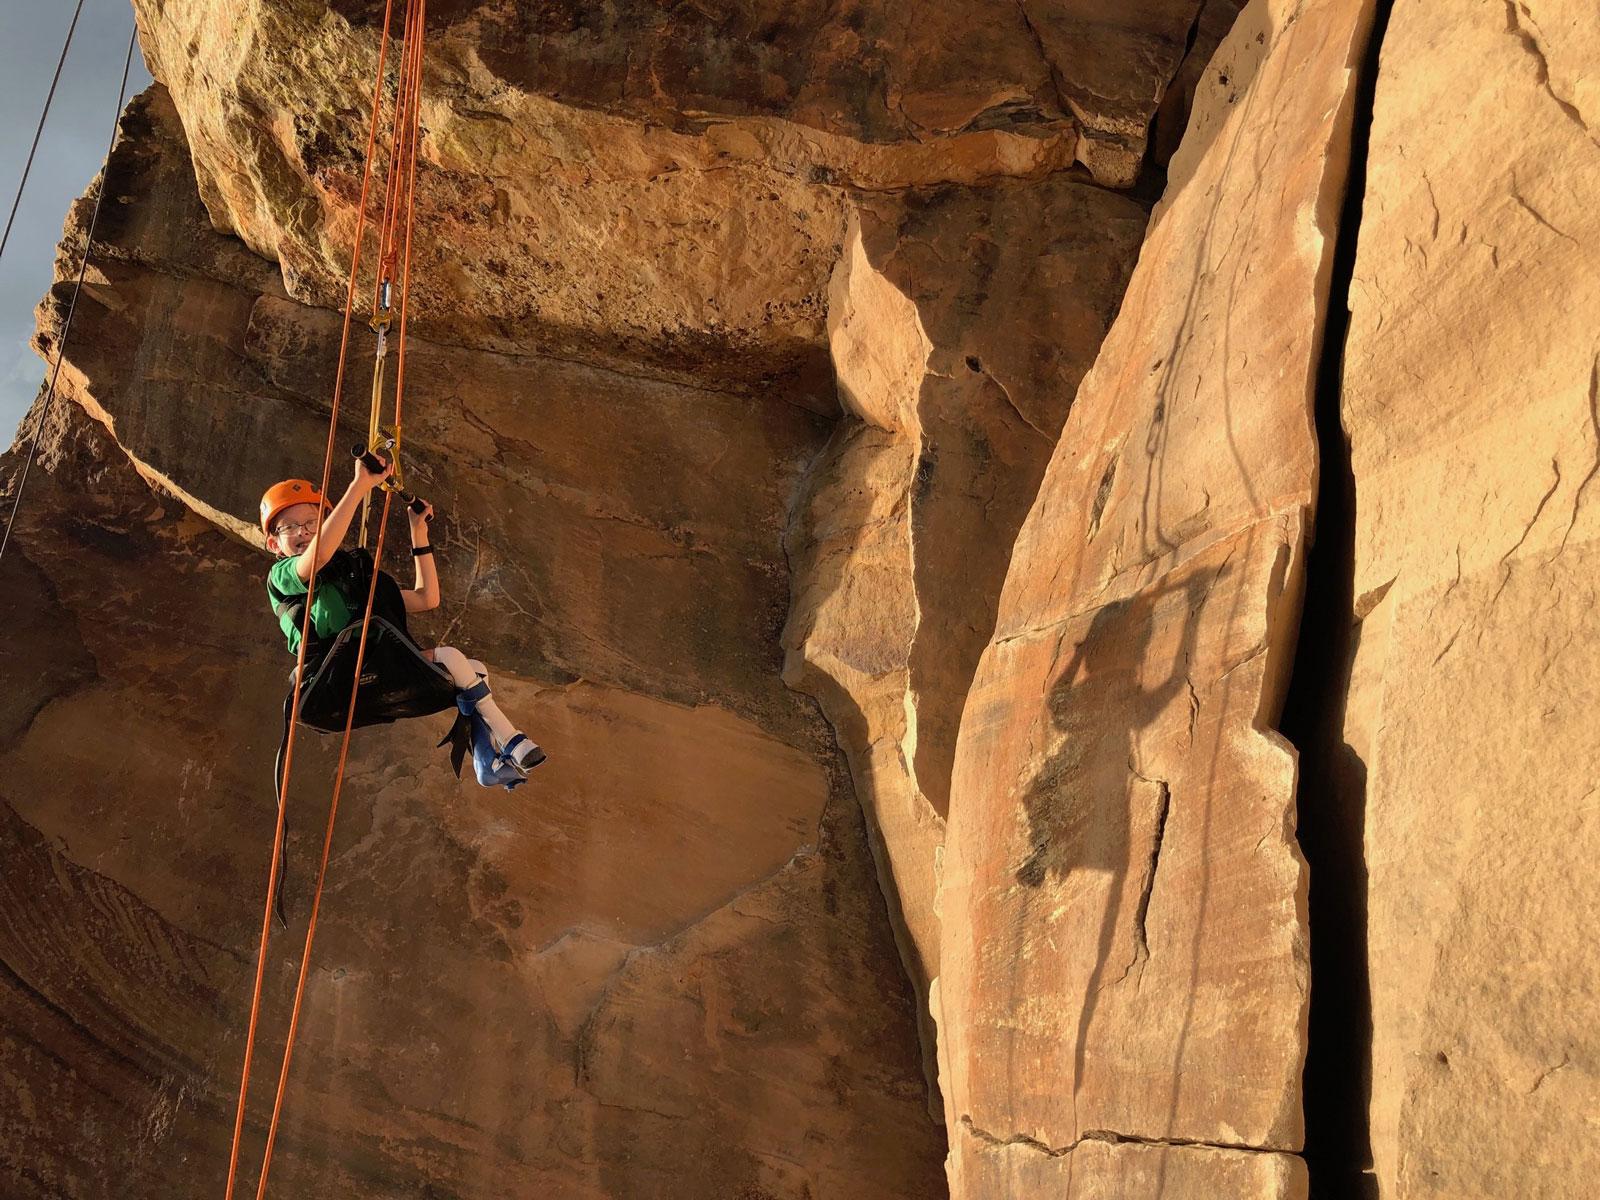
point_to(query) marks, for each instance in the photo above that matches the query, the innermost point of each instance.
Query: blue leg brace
(471, 732)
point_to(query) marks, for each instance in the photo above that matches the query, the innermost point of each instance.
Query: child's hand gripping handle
(373, 463)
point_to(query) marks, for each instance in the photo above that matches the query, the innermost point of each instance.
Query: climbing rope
(397, 198)
(402, 162)
(83, 269)
(49, 98)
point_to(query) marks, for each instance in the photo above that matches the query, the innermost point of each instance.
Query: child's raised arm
(424, 593)
(330, 533)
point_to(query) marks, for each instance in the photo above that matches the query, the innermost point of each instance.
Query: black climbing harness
(397, 679)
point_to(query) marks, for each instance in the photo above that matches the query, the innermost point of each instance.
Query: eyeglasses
(284, 531)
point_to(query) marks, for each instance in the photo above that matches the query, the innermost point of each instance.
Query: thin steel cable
(72, 307)
(50, 96)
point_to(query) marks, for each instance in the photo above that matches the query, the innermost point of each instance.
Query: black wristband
(421, 551)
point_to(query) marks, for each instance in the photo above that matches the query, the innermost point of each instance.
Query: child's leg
(464, 672)
(457, 663)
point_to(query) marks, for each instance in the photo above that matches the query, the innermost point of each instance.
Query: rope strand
(402, 158)
(305, 624)
(400, 149)
(411, 191)
(327, 847)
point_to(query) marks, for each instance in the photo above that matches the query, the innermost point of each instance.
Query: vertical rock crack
(1331, 796)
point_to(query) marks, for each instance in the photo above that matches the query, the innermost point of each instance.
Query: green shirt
(331, 609)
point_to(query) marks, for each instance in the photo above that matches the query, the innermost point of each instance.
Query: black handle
(374, 464)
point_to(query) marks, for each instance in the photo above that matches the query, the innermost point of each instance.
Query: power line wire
(72, 307)
(49, 98)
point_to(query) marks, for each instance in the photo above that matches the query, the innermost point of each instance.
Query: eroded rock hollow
(1045, 543)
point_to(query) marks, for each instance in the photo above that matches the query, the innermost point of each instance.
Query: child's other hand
(419, 520)
(367, 480)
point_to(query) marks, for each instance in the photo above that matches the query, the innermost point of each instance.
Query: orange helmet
(286, 495)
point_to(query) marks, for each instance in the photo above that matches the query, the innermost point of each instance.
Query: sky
(69, 155)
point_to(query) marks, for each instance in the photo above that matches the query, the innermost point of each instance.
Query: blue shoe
(522, 755)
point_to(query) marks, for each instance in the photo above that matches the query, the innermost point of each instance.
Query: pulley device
(389, 444)
(378, 438)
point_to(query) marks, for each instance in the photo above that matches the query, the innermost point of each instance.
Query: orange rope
(391, 181)
(327, 846)
(411, 191)
(402, 158)
(305, 626)
(402, 146)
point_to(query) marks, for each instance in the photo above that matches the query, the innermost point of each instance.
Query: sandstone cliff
(1045, 543)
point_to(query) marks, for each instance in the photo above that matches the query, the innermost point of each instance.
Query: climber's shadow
(1077, 804)
(1089, 803)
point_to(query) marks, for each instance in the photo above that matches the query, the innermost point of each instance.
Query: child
(304, 540)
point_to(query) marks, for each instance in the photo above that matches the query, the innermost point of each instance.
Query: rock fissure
(1127, 575)
(1526, 206)
(1544, 1076)
(1521, 25)
(728, 904)
(1044, 56)
(1538, 511)
(1594, 464)
(1507, 565)
(1330, 796)
(1142, 908)
(1012, 405)
(1106, 1136)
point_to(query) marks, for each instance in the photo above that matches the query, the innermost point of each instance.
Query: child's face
(293, 530)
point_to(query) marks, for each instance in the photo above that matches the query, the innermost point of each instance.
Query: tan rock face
(1470, 393)
(1109, 61)
(1122, 901)
(649, 914)
(1105, 1169)
(639, 185)
(801, 424)
(1216, 18)
(552, 471)
(962, 323)
(666, 961)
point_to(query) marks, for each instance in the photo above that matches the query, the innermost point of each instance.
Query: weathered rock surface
(1171, 121)
(1122, 899)
(752, 949)
(196, 376)
(1471, 390)
(661, 187)
(776, 358)
(1103, 1168)
(666, 968)
(962, 323)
